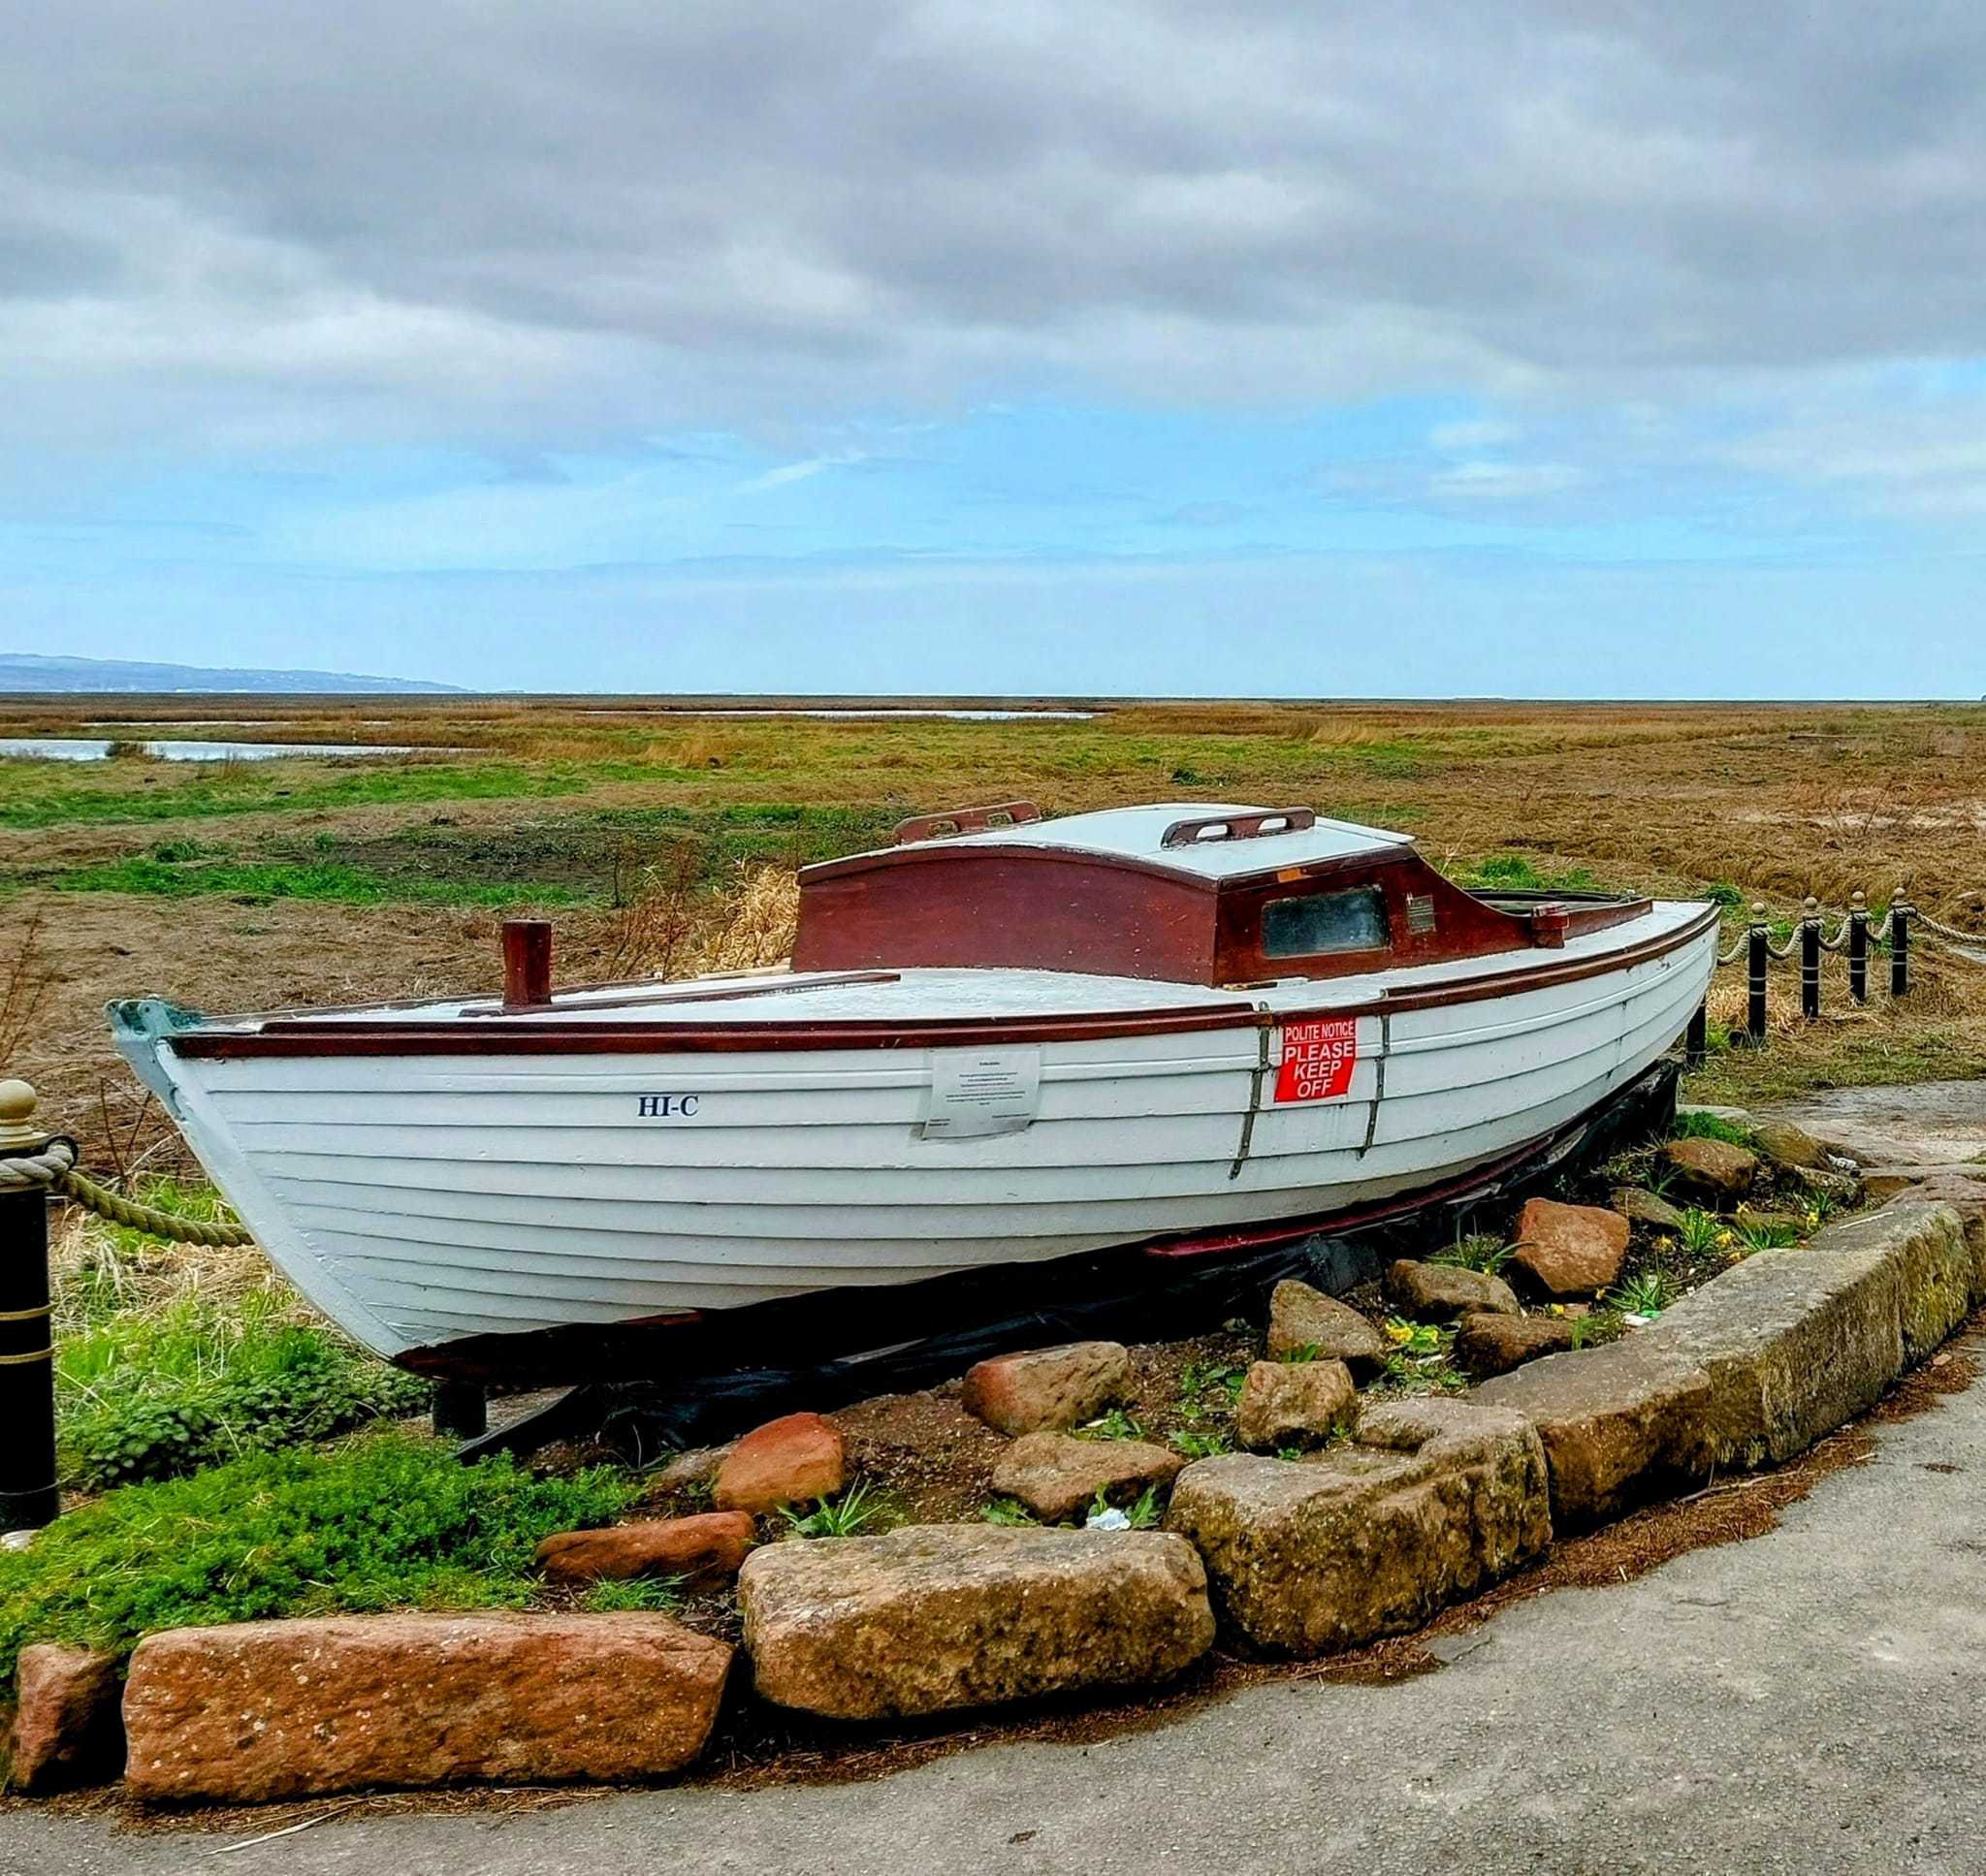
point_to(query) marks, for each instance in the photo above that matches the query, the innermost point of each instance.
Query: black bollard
(1858, 948)
(1696, 1043)
(1900, 945)
(28, 1498)
(1809, 959)
(461, 1410)
(1757, 961)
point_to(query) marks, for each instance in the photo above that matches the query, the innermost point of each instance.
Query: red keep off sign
(1318, 1058)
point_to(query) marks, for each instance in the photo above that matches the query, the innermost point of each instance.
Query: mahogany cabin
(1182, 892)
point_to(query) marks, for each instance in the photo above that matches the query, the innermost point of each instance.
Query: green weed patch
(385, 1521)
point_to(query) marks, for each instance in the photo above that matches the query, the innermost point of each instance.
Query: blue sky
(925, 350)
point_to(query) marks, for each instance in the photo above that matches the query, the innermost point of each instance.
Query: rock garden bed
(1084, 1522)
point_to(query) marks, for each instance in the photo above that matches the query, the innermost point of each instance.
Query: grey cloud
(613, 213)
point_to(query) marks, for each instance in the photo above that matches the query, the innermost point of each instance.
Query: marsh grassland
(643, 829)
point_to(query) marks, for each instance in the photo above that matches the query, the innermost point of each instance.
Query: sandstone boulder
(1056, 1475)
(1789, 1147)
(788, 1461)
(1568, 1249)
(1489, 1345)
(1295, 1404)
(1439, 1293)
(1056, 1389)
(936, 1617)
(1713, 1170)
(706, 1549)
(1620, 1424)
(689, 1471)
(1305, 1324)
(1757, 1220)
(66, 1725)
(1641, 1207)
(261, 1710)
(1432, 1500)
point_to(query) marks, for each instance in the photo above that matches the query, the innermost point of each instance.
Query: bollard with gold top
(27, 1353)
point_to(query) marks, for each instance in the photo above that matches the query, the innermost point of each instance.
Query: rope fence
(53, 1170)
(1856, 939)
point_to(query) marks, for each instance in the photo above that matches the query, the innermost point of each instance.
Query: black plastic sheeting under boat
(823, 1351)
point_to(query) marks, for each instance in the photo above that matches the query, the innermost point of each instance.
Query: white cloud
(1486, 481)
(490, 217)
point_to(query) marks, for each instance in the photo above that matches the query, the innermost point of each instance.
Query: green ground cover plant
(169, 1357)
(1710, 1127)
(386, 1520)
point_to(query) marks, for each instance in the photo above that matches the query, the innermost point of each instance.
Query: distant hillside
(24, 671)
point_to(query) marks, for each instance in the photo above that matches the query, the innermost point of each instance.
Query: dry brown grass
(676, 927)
(24, 987)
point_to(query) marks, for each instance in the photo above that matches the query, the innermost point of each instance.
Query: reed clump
(676, 925)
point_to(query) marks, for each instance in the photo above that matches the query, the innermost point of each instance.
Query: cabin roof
(1139, 833)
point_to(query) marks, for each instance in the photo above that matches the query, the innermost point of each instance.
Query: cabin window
(1324, 921)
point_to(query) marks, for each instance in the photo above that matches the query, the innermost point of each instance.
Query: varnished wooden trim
(497, 1036)
(663, 994)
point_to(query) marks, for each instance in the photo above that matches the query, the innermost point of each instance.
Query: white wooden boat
(1002, 1041)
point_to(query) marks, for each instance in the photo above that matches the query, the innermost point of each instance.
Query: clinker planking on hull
(1004, 1040)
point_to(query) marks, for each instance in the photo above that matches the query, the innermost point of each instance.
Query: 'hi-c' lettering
(666, 1107)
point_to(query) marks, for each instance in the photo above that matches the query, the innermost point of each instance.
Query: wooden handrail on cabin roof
(1237, 827)
(965, 820)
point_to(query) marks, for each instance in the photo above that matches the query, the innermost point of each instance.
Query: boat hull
(438, 1205)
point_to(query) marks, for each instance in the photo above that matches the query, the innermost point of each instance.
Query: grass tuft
(1710, 1127)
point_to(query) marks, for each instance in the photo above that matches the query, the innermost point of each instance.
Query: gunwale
(499, 1035)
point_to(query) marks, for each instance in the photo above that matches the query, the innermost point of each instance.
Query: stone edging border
(1429, 1502)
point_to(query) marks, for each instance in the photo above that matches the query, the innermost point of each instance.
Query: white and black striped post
(1858, 947)
(28, 1498)
(1809, 959)
(1760, 956)
(1899, 940)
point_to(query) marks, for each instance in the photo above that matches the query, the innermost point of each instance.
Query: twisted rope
(53, 1168)
(42, 1168)
(1881, 934)
(1731, 956)
(1785, 950)
(1840, 941)
(1943, 931)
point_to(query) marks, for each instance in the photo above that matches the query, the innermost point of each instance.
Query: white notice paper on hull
(979, 1092)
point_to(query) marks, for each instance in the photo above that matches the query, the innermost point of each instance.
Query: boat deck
(921, 995)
